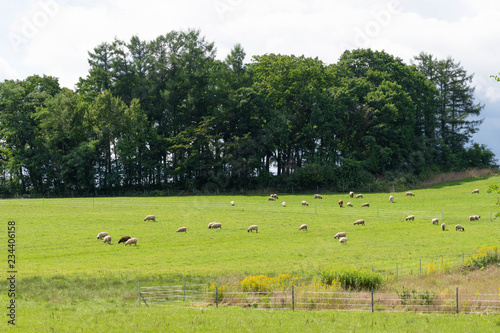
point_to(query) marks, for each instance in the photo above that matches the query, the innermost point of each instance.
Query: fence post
(457, 299)
(184, 292)
(293, 298)
(372, 299)
(139, 291)
(216, 297)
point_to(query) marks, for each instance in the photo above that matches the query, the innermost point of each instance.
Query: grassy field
(64, 272)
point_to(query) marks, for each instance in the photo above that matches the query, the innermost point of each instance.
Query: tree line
(167, 114)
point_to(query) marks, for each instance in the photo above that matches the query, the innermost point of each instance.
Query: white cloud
(6, 71)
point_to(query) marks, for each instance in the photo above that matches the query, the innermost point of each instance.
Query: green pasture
(63, 269)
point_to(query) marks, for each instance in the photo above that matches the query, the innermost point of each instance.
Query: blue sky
(53, 37)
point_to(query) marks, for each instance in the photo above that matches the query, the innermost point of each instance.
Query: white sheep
(232, 203)
(283, 204)
(343, 240)
(340, 234)
(474, 217)
(443, 226)
(410, 194)
(252, 228)
(131, 241)
(365, 205)
(304, 203)
(271, 199)
(350, 204)
(318, 196)
(351, 194)
(150, 218)
(182, 229)
(459, 227)
(359, 196)
(435, 221)
(215, 225)
(359, 222)
(303, 227)
(475, 191)
(107, 239)
(210, 225)
(102, 235)
(410, 217)
(274, 195)
(391, 199)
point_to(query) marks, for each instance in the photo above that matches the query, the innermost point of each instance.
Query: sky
(53, 37)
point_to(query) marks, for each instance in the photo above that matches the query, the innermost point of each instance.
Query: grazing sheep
(341, 203)
(475, 191)
(124, 239)
(350, 204)
(252, 228)
(410, 217)
(318, 196)
(275, 196)
(391, 199)
(131, 241)
(183, 229)
(271, 199)
(102, 235)
(351, 194)
(359, 222)
(410, 194)
(340, 234)
(232, 203)
(443, 226)
(365, 205)
(215, 225)
(477, 217)
(474, 217)
(459, 227)
(343, 240)
(283, 204)
(303, 227)
(107, 239)
(304, 203)
(435, 221)
(359, 196)
(150, 218)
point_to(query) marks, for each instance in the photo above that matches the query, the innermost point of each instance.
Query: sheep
(365, 205)
(459, 227)
(474, 217)
(359, 222)
(318, 196)
(275, 196)
(475, 191)
(107, 239)
(150, 218)
(435, 221)
(124, 239)
(343, 240)
(102, 235)
(210, 225)
(252, 228)
(271, 199)
(359, 196)
(391, 199)
(340, 234)
(182, 229)
(410, 217)
(341, 203)
(215, 225)
(351, 194)
(232, 203)
(283, 204)
(304, 203)
(410, 194)
(303, 227)
(350, 204)
(443, 226)
(131, 241)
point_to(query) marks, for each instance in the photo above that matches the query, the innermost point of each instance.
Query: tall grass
(352, 279)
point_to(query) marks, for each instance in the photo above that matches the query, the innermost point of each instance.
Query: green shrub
(486, 255)
(352, 279)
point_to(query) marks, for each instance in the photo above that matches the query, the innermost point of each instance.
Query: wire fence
(308, 298)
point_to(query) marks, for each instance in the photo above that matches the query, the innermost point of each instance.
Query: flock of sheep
(342, 236)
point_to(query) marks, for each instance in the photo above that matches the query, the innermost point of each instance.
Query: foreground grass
(92, 317)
